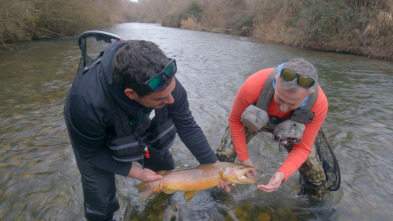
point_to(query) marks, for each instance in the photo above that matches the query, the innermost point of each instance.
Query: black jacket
(90, 115)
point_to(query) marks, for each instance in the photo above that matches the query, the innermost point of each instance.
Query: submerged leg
(226, 151)
(312, 176)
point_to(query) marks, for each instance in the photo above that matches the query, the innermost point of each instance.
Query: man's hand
(251, 174)
(143, 174)
(222, 184)
(274, 183)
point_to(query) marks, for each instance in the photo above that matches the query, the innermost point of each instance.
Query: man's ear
(130, 93)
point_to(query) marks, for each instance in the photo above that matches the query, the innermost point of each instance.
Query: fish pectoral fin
(189, 195)
(222, 177)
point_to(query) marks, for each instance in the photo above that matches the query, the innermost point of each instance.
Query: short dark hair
(138, 61)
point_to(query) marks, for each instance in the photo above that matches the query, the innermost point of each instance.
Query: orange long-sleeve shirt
(248, 94)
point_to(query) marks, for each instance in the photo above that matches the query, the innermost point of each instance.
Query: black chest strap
(267, 92)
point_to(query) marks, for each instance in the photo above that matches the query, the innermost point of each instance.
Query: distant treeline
(363, 27)
(23, 20)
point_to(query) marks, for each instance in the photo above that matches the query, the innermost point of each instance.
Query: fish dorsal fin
(189, 195)
(222, 177)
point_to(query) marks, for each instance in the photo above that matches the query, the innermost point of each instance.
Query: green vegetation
(363, 27)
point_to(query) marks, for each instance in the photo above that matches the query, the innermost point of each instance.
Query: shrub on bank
(34, 19)
(363, 27)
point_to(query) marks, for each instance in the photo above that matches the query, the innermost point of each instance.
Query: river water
(39, 179)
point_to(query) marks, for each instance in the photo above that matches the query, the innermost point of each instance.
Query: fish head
(236, 173)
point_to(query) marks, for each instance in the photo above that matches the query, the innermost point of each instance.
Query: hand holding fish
(274, 183)
(226, 186)
(250, 174)
(143, 174)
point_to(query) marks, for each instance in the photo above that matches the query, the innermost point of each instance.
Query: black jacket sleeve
(189, 131)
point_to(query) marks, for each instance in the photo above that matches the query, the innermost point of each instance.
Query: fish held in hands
(191, 180)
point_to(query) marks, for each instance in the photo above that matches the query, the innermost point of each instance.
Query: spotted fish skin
(191, 180)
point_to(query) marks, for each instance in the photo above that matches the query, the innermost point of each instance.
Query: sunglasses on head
(302, 81)
(169, 70)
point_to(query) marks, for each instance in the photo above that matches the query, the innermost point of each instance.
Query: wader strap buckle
(146, 149)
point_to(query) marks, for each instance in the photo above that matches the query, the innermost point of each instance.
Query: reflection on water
(38, 174)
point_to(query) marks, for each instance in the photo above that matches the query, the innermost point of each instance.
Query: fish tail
(145, 192)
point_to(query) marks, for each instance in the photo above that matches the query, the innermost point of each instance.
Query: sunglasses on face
(302, 81)
(169, 70)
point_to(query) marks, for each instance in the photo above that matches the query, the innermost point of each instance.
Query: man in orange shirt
(288, 102)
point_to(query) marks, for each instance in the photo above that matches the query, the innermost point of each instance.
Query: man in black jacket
(108, 115)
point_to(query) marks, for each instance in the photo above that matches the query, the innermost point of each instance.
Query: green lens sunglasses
(169, 70)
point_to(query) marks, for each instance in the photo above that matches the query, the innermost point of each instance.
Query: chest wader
(99, 186)
(320, 173)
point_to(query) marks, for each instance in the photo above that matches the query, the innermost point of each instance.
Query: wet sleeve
(88, 136)
(188, 130)
(301, 151)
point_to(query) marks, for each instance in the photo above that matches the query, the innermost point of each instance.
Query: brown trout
(191, 180)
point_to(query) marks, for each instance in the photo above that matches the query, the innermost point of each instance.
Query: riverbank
(359, 27)
(25, 20)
